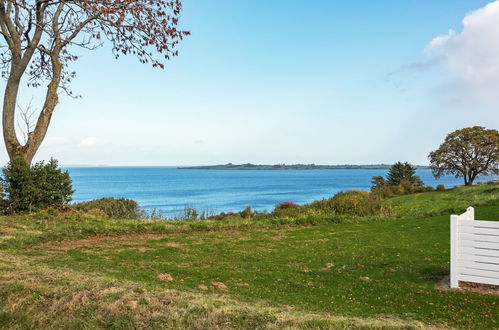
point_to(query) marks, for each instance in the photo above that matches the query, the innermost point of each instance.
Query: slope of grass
(443, 202)
(80, 271)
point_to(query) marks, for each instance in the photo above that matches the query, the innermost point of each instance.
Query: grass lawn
(364, 274)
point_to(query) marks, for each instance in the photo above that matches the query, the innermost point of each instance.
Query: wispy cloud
(421, 66)
(88, 142)
(397, 77)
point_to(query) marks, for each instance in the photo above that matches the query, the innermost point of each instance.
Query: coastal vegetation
(111, 207)
(75, 269)
(401, 179)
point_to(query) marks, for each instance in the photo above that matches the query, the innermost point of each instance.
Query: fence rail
(474, 249)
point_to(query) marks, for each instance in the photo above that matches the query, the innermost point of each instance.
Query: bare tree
(40, 36)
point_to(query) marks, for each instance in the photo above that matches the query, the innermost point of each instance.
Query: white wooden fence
(474, 250)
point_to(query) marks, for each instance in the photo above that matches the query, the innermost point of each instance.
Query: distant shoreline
(281, 167)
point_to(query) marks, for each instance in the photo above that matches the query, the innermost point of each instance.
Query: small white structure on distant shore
(474, 255)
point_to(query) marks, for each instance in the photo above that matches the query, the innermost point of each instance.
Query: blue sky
(284, 81)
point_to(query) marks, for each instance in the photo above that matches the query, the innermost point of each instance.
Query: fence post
(471, 213)
(454, 254)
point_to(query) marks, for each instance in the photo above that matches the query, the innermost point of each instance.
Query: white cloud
(472, 56)
(88, 142)
(440, 41)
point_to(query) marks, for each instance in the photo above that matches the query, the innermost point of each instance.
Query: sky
(285, 81)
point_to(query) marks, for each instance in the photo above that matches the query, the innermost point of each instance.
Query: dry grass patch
(104, 241)
(174, 244)
(41, 297)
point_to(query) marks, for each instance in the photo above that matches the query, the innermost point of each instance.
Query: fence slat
(479, 265)
(481, 238)
(476, 258)
(479, 279)
(479, 230)
(479, 223)
(478, 272)
(479, 252)
(483, 245)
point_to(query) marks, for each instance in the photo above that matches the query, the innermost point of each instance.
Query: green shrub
(355, 202)
(112, 207)
(225, 216)
(382, 189)
(29, 188)
(247, 213)
(440, 187)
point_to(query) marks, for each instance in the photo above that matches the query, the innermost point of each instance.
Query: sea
(170, 190)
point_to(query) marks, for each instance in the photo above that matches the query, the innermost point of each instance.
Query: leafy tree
(32, 187)
(40, 37)
(467, 153)
(378, 181)
(402, 173)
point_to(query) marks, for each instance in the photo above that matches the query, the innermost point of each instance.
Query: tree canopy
(402, 172)
(467, 153)
(40, 38)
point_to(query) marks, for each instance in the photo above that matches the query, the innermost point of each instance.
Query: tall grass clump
(112, 208)
(356, 202)
(349, 203)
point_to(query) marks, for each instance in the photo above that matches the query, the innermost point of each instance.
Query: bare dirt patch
(131, 239)
(317, 240)
(144, 249)
(165, 277)
(219, 286)
(444, 285)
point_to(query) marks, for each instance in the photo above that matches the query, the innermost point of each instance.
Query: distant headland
(250, 166)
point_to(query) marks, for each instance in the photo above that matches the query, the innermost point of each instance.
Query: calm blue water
(170, 189)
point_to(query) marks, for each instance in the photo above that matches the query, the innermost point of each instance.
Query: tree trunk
(35, 138)
(14, 147)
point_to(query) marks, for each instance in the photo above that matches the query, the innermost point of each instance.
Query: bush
(382, 189)
(29, 188)
(286, 205)
(440, 187)
(247, 213)
(112, 207)
(355, 202)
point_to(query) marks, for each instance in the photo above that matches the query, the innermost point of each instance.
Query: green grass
(443, 202)
(360, 273)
